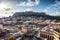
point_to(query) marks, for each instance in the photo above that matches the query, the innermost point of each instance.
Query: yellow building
(24, 29)
(56, 34)
(11, 38)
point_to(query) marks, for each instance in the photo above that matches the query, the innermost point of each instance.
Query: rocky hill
(35, 14)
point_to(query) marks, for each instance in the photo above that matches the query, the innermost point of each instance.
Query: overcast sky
(8, 7)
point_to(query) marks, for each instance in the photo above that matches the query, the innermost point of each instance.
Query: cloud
(7, 7)
(53, 9)
(29, 9)
(29, 3)
(5, 13)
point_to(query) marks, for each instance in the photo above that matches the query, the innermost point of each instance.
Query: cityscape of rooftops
(29, 19)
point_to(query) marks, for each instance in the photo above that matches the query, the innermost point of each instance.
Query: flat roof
(58, 30)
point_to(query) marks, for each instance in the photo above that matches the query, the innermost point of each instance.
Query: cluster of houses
(28, 26)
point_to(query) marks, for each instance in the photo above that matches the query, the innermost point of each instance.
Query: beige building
(46, 35)
(57, 34)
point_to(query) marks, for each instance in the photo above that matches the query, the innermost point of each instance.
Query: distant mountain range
(36, 14)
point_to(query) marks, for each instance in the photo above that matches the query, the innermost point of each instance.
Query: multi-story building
(56, 34)
(47, 33)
